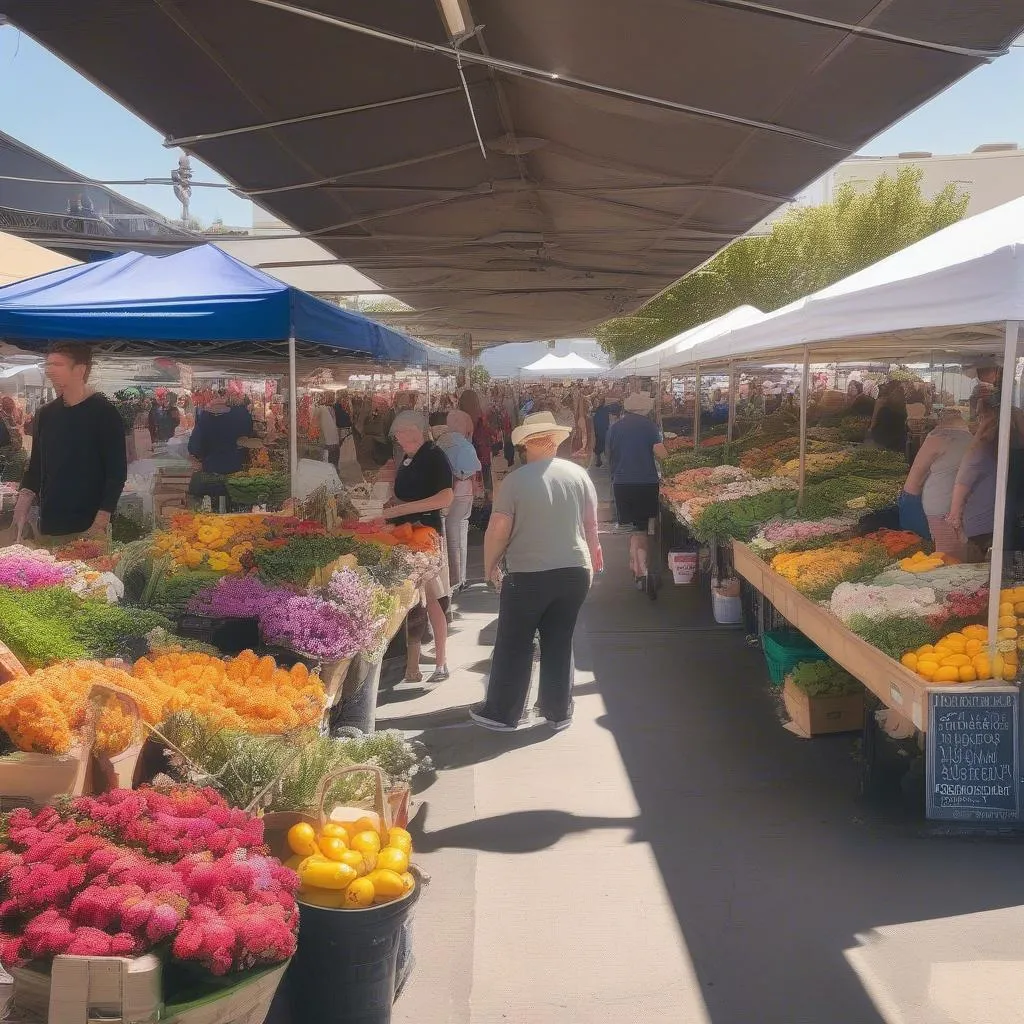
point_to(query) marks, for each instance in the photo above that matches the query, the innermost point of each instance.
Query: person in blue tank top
(634, 445)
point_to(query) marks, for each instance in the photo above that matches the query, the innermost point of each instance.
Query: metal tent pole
(293, 418)
(732, 401)
(696, 409)
(804, 389)
(1002, 473)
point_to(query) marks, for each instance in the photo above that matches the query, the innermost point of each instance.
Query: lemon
(394, 859)
(302, 839)
(366, 841)
(332, 848)
(400, 838)
(387, 885)
(947, 674)
(909, 659)
(967, 674)
(359, 893)
(354, 859)
(332, 830)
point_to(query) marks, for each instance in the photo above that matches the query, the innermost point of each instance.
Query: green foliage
(824, 679)
(806, 250)
(283, 773)
(740, 518)
(894, 634)
(52, 624)
(479, 376)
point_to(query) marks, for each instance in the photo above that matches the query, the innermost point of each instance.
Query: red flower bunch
(79, 880)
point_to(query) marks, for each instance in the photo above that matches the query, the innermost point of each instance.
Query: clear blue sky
(59, 113)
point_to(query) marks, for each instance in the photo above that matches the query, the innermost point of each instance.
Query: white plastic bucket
(683, 565)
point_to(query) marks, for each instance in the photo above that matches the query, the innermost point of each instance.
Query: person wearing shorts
(634, 446)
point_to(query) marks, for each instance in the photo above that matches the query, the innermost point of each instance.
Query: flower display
(791, 534)
(874, 602)
(45, 711)
(121, 874)
(818, 572)
(26, 573)
(247, 693)
(313, 626)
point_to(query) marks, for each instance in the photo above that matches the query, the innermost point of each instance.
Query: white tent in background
(669, 353)
(20, 259)
(570, 365)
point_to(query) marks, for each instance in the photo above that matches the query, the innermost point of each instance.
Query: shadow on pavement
(773, 864)
(458, 747)
(517, 832)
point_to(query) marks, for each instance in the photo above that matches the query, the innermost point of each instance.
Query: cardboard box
(814, 716)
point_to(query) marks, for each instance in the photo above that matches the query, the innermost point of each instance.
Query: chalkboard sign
(973, 755)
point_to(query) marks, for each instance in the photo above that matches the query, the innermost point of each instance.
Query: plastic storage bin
(728, 610)
(785, 648)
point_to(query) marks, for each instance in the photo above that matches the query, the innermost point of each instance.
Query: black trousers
(532, 603)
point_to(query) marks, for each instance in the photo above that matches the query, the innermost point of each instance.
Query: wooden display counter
(894, 684)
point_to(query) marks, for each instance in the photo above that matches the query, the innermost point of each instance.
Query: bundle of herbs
(824, 679)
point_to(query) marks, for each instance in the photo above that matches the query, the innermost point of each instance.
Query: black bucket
(344, 971)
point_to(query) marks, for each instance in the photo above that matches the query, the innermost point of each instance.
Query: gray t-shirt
(937, 492)
(547, 501)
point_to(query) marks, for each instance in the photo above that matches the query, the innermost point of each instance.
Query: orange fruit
(947, 674)
(394, 859)
(302, 839)
(973, 647)
(967, 674)
(927, 672)
(909, 659)
(359, 893)
(956, 660)
(333, 848)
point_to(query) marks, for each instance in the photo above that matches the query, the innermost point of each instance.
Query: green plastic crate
(786, 648)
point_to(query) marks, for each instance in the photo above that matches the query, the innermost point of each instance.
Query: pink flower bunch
(67, 885)
(785, 532)
(173, 823)
(23, 573)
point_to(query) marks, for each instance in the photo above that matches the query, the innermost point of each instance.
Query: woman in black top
(889, 423)
(423, 488)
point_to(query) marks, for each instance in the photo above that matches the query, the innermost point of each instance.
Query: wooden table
(894, 684)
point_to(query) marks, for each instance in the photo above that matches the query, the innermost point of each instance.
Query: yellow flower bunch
(815, 571)
(220, 541)
(247, 693)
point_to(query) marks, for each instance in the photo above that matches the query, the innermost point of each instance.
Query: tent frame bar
(508, 67)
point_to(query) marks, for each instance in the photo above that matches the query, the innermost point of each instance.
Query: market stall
(806, 514)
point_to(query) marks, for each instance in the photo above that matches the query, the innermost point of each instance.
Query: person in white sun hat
(634, 445)
(543, 529)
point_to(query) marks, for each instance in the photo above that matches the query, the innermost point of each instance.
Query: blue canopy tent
(200, 302)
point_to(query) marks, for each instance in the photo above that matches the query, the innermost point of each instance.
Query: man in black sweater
(79, 464)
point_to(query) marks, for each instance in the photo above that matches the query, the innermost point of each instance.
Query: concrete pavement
(676, 856)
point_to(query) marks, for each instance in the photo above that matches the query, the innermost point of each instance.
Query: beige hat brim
(522, 434)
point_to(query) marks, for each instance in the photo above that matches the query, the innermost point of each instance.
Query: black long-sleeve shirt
(79, 464)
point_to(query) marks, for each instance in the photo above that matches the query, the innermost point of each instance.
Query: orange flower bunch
(246, 693)
(44, 712)
(818, 570)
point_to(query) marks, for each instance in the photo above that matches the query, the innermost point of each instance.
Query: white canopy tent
(957, 295)
(571, 365)
(675, 351)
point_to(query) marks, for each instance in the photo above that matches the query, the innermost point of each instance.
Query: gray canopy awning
(623, 143)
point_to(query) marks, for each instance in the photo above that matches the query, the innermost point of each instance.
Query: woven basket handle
(380, 795)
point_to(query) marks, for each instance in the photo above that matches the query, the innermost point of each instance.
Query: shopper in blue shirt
(603, 413)
(634, 445)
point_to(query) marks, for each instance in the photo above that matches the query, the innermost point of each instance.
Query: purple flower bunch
(340, 627)
(360, 598)
(237, 597)
(25, 573)
(313, 626)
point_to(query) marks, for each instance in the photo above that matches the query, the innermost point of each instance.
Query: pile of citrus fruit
(963, 657)
(921, 562)
(350, 865)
